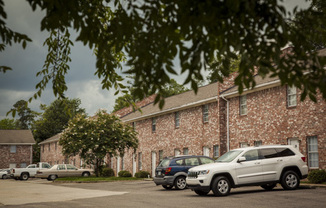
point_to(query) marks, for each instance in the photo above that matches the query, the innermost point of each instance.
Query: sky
(19, 83)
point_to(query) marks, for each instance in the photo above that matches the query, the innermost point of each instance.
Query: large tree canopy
(153, 33)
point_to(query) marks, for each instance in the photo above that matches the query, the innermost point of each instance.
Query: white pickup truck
(29, 171)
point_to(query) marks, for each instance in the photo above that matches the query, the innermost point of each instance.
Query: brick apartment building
(218, 119)
(16, 148)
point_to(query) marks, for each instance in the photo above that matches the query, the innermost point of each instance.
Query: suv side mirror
(241, 159)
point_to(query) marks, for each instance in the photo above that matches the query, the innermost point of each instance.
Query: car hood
(210, 166)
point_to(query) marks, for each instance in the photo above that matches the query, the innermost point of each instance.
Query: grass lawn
(97, 179)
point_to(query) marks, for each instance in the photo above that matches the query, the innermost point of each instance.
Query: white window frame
(205, 113)
(216, 151)
(291, 96)
(154, 124)
(312, 149)
(13, 148)
(177, 119)
(243, 105)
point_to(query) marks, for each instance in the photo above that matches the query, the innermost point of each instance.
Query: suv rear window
(283, 152)
(164, 163)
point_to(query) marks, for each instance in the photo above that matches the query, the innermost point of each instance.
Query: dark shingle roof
(52, 139)
(16, 137)
(174, 103)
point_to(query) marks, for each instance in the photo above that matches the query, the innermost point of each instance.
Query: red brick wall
(269, 120)
(22, 155)
(192, 134)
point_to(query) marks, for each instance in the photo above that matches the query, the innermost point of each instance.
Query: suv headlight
(203, 172)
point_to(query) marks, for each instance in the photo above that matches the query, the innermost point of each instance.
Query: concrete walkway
(35, 191)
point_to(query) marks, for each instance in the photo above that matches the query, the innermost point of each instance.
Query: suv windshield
(164, 163)
(229, 156)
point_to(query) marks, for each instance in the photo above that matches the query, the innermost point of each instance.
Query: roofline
(45, 142)
(17, 143)
(193, 104)
(256, 88)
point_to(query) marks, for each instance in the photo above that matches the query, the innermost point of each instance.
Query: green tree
(93, 138)
(216, 69)
(155, 33)
(9, 124)
(26, 115)
(55, 117)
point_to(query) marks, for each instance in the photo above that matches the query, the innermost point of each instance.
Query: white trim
(17, 144)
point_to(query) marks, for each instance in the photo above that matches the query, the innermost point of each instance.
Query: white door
(294, 142)
(206, 151)
(153, 163)
(134, 163)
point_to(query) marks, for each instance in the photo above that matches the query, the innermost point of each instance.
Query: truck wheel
(180, 183)
(290, 180)
(221, 186)
(24, 176)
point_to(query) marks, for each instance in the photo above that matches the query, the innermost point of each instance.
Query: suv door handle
(257, 163)
(279, 160)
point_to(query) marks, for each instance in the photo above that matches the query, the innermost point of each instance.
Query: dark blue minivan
(172, 171)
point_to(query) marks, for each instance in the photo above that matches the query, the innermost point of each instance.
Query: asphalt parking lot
(42, 193)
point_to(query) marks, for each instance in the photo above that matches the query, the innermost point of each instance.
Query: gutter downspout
(227, 124)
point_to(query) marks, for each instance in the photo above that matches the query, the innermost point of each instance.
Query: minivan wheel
(290, 180)
(221, 186)
(201, 193)
(24, 176)
(269, 187)
(167, 187)
(180, 183)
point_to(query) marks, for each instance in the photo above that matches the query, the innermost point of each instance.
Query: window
(205, 113)
(49, 146)
(55, 145)
(243, 105)
(134, 125)
(216, 151)
(191, 161)
(153, 124)
(12, 148)
(23, 165)
(206, 151)
(291, 96)
(244, 144)
(176, 152)
(251, 155)
(185, 151)
(61, 167)
(269, 153)
(140, 161)
(160, 155)
(43, 147)
(70, 167)
(313, 152)
(258, 143)
(177, 120)
(179, 162)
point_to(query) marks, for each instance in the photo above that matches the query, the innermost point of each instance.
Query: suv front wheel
(290, 180)
(221, 186)
(180, 183)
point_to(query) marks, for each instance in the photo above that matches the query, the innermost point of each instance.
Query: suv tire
(221, 186)
(290, 180)
(180, 183)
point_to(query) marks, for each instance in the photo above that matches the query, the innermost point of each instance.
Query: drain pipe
(227, 124)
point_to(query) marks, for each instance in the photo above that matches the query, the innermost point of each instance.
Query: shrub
(124, 173)
(317, 176)
(107, 172)
(142, 174)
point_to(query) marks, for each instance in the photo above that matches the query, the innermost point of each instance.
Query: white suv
(264, 166)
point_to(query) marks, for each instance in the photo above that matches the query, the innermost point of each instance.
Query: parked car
(29, 171)
(5, 173)
(264, 166)
(62, 170)
(172, 171)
